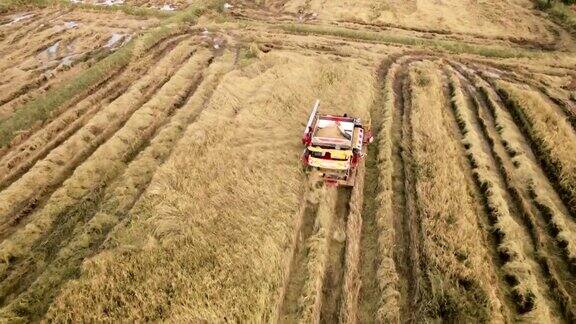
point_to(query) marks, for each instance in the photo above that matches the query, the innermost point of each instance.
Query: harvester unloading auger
(334, 146)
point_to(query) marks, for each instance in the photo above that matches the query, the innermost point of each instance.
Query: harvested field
(40, 49)
(149, 163)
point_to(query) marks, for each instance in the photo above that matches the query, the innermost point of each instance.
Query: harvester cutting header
(334, 146)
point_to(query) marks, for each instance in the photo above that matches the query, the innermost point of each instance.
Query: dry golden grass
(553, 137)
(218, 215)
(456, 268)
(20, 158)
(53, 168)
(107, 161)
(490, 18)
(157, 208)
(116, 200)
(532, 178)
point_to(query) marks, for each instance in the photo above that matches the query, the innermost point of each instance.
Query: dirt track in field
(464, 208)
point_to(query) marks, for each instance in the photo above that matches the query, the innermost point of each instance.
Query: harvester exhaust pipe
(307, 136)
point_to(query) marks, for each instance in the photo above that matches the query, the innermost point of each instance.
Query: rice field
(150, 163)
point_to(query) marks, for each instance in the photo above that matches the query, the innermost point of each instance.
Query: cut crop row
(514, 241)
(105, 164)
(551, 137)
(21, 158)
(109, 89)
(457, 281)
(523, 178)
(52, 170)
(541, 192)
(112, 206)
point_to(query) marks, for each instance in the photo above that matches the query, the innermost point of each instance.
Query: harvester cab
(334, 146)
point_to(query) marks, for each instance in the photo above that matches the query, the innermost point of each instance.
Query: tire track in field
(17, 267)
(556, 96)
(18, 159)
(389, 265)
(43, 70)
(552, 94)
(313, 290)
(160, 50)
(294, 283)
(553, 146)
(493, 186)
(507, 306)
(332, 287)
(24, 195)
(404, 227)
(311, 301)
(322, 284)
(18, 32)
(40, 16)
(49, 57)
(41, 78)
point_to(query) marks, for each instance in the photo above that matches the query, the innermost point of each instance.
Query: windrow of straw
(318, 245)
(22, 157)
(108, 160)
(51, 170)
(352, 282)
(532, 178)
(560, 95)
(117, 199)
(30, 70)
(514, 244)
(387, 276)
(14, 33)
(216, 221)
(42, 107)
(552, 137)
(520, 172)
(456, 269)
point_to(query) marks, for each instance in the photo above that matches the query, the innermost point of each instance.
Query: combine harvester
(334, 147)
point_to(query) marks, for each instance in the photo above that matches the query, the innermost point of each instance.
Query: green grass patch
(447, 46)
